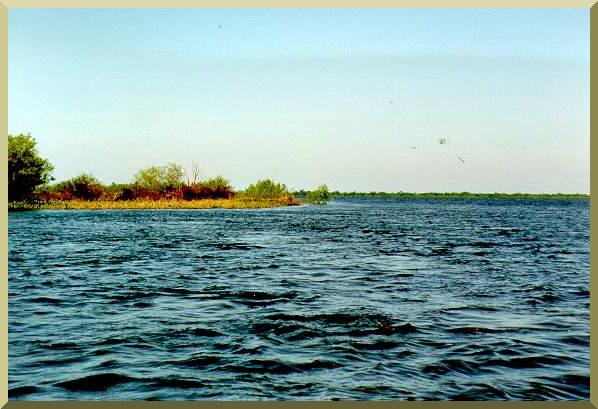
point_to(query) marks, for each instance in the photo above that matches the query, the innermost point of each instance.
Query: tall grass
(167, 204)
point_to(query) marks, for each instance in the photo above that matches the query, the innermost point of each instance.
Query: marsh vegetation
(154, 187)
(169, 186)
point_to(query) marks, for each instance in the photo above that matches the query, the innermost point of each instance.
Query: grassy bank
(235, 203)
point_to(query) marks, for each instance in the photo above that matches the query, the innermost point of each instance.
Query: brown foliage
(192, 192)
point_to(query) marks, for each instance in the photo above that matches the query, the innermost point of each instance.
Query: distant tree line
(30, 176)
(407, 195)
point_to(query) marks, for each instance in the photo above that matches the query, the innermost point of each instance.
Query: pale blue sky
(357, 99)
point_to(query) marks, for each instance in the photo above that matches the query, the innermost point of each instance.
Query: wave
(277, 367)
(198, 361)
(96, 383)
(21, 391)
(46, 300)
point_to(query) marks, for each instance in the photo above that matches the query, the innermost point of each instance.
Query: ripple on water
(371, 299)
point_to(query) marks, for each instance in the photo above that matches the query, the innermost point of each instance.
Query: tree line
(29, 177)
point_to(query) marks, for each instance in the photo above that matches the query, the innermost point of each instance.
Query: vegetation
(319, 196)
(159, 187)
(159, 179)
(449, 195)
(464, 195)
(216, 183)
(235, 203)
(82, 187)
(215, 188)
(266, 189)
(26, 170)
(25, 205)
(154, 187)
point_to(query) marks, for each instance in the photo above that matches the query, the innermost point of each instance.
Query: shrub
(142, 193)
(26, 170)
(301, 192)
(126, 194)
(84, 187)
(219, 187)
(156, 188)
(215, 188)
(117, 191)
(267, 189)
(196, 191)
(319, 196)
(216, 183)
(159, 178)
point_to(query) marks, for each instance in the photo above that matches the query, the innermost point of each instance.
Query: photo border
(5, 5)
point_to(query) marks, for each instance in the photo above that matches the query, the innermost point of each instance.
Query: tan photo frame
(6, 5)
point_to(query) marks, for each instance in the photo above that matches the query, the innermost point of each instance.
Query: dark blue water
(360, 299)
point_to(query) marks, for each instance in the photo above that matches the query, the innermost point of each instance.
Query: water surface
(360, 299)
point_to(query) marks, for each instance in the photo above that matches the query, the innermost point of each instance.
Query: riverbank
(247, 203)
(155, 204)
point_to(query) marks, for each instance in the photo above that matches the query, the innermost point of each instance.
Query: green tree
(218, 182)
(319, 196)
(159, 178)
(266, 189)
(26, 170)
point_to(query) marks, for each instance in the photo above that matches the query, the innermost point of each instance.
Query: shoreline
(155, 204)
(164, 204)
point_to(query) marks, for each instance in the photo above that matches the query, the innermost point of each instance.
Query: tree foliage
(215, 188)
(159, 178)
(319, 196)
(84, 186)
(266, 189)
(26, 169)
(217, 182)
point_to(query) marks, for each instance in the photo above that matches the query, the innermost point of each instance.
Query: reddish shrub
(200, 191)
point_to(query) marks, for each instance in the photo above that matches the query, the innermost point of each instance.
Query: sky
(358, 99)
